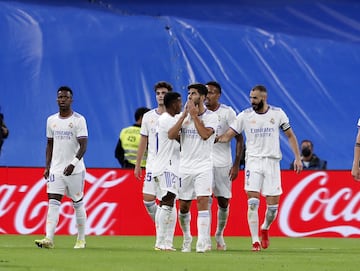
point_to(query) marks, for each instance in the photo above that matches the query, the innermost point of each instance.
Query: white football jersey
(358, 124)
(262, 131)
(222, 151)
(65, 132)
(196, 153)
(148, 128)
(168, 150)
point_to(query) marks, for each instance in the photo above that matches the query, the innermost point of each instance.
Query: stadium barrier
(314, 203)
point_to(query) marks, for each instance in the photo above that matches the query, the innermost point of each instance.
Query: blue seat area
(111, 53)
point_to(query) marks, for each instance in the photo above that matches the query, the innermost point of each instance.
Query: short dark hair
(261, 88)
(170, 97)
(214, 84)
(201, 88)
(307, 141)
(163, 84)
(65, 88)
(140, 112)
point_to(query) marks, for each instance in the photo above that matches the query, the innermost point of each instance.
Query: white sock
(169, 238)
(253, 218)
(52, 218)
(184, 220)
(210, 216)
(151, 208)
(270, 216)
(164, 217)
(222, 217)
(80, 214)
(203, 225)
(156, 221)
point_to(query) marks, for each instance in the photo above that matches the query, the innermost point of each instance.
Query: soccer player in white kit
(224, 171)
(355, 171)
(67, 138)
(261, 124)
(197, 126)
(148, 140)
(166, 170)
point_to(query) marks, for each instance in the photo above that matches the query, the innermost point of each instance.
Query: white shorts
(195, 185)
(149, 184)
(71, 186)
(222, 182)
(166, 182)
(263, 175)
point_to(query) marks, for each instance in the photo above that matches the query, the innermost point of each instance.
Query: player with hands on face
(196, 127)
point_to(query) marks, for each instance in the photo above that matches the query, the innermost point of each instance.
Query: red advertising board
(314, 203)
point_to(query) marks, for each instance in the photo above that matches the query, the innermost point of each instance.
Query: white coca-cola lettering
(6, 191)
(326, 205)
(36, 213)
(100, 219)
(104, 209)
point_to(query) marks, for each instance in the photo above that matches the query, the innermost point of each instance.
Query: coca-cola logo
(30, 212)
(320, 208)
(314, 203)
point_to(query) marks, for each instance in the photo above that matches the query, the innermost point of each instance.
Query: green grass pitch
(122, 253)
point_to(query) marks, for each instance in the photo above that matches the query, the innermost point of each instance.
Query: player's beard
(196, 102)
(63, 107)
(258, 107)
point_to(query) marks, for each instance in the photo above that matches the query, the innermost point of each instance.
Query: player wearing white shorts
(224, 171)
(166, 171)
(262, 124)
(148, 140)
(67, 136)
(197, 126)
(355, 171)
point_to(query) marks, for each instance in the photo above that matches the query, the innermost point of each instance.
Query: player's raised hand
(185, 110)
(192, 108)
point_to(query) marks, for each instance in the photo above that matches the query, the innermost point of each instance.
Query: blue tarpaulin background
(307, 53)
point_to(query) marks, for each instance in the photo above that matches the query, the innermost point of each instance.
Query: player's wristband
(75, 161)
(357, 144)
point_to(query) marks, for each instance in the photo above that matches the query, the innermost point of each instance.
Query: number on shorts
(148, 177)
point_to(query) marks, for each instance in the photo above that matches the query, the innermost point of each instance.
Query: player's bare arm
(298, 166)
(174, 131)
(48, 155)
(355, 171)
(204, 132)
(83, 145)
(234, 171)
(140, 153)
(226, 137)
